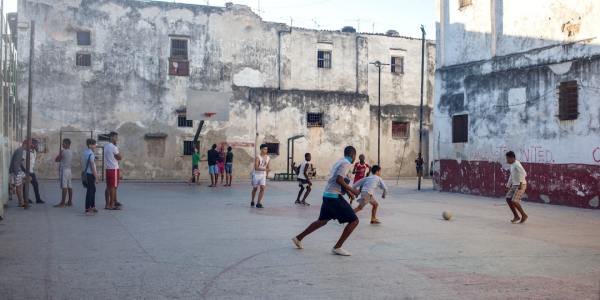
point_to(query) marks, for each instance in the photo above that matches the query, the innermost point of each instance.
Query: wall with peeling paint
(509, 90)
(270, 68)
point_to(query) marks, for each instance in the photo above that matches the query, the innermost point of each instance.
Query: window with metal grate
(324, 59)
(182, 121)
(568, 100)
(273, 148)
(83, 59)
(314, 119)
(400, 130)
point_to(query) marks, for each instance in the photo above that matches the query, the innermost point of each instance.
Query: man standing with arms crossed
(111, 164)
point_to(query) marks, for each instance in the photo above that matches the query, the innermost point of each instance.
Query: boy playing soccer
(334, 205)
(259, 175)
(516, 187)
(361, 169)
(367, 187)
(304, 171)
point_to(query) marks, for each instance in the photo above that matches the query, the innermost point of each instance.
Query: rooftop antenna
(316, 24)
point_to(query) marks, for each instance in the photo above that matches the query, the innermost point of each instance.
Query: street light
(379, 65)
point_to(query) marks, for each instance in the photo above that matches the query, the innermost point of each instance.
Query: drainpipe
(356, 43)
(279, 33)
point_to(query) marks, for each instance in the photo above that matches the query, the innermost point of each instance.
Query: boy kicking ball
(516, 187)
(334, 205)
(367, 187)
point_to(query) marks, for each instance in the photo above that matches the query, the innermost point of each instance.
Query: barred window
(84, 38)
(273, 148)
(568, 100)
(324, 59)
(400, 130)
(397, 65)
(179, 48)
(314, 119)
(182, 121)
(188, 147)
(83, 59)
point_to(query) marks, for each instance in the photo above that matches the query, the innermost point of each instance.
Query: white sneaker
(297, 242)
(340, 251)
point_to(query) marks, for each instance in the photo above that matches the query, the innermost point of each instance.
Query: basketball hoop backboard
(208, 106)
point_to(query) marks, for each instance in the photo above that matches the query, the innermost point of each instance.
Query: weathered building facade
(127, 65)
(521, 76)
(11, 124)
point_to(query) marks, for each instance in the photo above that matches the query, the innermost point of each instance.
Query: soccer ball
(447, 215)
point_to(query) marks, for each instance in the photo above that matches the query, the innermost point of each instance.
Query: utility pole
(378, 65)
(420, 158)
(29, 101)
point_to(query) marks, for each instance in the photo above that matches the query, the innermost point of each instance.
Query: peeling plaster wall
(128, 88)
(512, 103)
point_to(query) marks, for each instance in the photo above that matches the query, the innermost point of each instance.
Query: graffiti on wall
(532, 154)
(596, 155)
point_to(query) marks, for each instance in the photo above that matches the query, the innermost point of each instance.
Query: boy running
(64, 158)
(334, 205)
(361, 169)
(516, 187)
(228, 166)
(259, 175)
(304, 171)
(367, 187)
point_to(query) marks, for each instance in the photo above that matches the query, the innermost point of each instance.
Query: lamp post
(378, 65)
(420, 158)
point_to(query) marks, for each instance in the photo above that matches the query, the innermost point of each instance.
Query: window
(179, 49)
(84, 38)
(400, 130)
(103, 137)
(397, 65)
(464, 3)
(314, 119)
(83, 59)
(188, 147)
(324, 59)
(273, 148)
(567, 100)
(182, 121)
(460, 129)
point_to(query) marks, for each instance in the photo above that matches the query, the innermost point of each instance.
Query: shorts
(229, 168)
(65, 179)
(337, 209)
(357, 178)
(259, 179)
(112, 178)
(221, 167)
(515, 194)
(365, 198)
(303, 182)
(195, 171)
(213, 169)
(17, 179)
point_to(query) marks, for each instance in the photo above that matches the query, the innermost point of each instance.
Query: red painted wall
(562, 184)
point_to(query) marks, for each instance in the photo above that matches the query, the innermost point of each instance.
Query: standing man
(64, 160)
(112, 157)
(259, 175)
(17, 173)
(229, 166)
(31, 172)
(334, 205)
(213, 170)
(419, 165)
(88, 164)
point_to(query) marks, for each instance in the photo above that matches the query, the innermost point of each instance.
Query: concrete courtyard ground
(174, 241)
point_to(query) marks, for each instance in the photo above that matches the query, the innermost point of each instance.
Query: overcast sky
(405, 16)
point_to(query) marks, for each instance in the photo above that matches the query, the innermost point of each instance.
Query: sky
(404, 16)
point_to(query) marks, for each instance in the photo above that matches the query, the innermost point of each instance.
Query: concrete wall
(128, 88)
(512, 103)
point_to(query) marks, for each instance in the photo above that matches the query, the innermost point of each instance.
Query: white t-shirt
(262, 163)
(369, 184)
(31, 160)
(303, 167)
(110, 161)
(517, 174)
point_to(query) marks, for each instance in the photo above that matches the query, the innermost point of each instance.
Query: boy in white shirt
(516, 187)
(304, 172)
(367, 187)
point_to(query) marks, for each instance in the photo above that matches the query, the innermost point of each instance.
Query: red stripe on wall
(575, 185)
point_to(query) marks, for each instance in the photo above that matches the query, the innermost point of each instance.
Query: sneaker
(117, 203)
(252, 204)
(30, 202)
(305, 203)
(297, 242)
(375, 222)
(340, 251)
(40, 201)
(259, 205)
(297, 202)
(94, 210)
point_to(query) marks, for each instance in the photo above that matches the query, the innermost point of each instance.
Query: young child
(516, 187)
(367, 187)
(334, 205)
(259, 175)
(64, 158)
(361, 169)
(195, 165)
(304, 172)
(229, 166)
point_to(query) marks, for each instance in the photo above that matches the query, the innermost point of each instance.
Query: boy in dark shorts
(304, 171)
(334, 205)
(228, 166)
